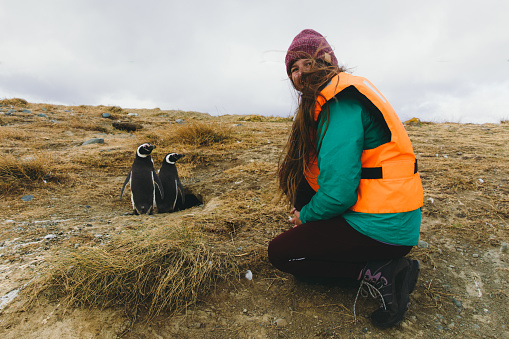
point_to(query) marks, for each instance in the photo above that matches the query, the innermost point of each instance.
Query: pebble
(132, 114)
(42, 115)
(50, 236)
(26, 111)
(456, 302)
(503, 247)
(475, 255)
(281, 322)
(422, 244)
(106, 115)
(94, 141)
(27, 197)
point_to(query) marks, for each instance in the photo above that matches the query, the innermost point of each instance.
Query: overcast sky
(438, 60)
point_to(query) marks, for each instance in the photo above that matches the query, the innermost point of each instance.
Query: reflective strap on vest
(376, 172)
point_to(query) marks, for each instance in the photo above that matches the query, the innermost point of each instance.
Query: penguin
(143, 180)
(174, 198)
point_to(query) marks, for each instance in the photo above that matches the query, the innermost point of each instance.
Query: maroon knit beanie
(309, 43)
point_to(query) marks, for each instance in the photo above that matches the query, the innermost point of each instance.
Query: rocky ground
(463, 287)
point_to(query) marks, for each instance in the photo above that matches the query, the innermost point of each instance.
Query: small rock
(503, 247)
(179, 121)
(94, 141)
(42, 115)
(27, 197)
(456, 302)
(106, 115)
(50, 236)
(481, 181)
(475, 255)
(26, 111)
(132, 114)
(281, 322)
(422, 244)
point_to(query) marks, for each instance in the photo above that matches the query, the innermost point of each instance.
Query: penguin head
(171, 158)
(144, 150)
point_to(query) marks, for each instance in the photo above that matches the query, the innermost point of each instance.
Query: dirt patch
(462, 290)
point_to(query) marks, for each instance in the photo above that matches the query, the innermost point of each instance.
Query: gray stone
(456, 302)
(422, 244)
(27, 197)
(106, 115)
(281, 322)
(179, 121)
(50, 236)
(26, 111)
(94, 141)
(42, 115)
(503, 247)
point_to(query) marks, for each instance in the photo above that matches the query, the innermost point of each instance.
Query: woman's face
(299, 66)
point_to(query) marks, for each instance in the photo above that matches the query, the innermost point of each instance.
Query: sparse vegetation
(15, 102)
(17, 173)
(202, 134)
(194, 133)
(261, 118)
(75, 245)
(148, 271)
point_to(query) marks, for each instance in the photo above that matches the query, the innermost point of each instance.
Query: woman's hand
(295, 220)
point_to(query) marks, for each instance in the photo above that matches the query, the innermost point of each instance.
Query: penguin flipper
(180, 191)
(157, 181)
(125, 183)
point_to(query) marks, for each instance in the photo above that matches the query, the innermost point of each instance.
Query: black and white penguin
(174, 198)
(143, 180)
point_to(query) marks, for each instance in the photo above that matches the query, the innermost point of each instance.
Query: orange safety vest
(389, 182)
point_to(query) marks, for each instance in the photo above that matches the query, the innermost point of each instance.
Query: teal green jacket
(352, 129)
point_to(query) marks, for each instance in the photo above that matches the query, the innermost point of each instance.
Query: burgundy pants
(327, 248)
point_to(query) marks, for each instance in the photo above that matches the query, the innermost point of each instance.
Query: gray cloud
(435, 60)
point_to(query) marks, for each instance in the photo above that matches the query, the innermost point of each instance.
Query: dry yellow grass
(146, 271)
(19, 173)
(150, 265)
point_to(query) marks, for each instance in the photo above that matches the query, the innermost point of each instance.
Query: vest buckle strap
(376, 172)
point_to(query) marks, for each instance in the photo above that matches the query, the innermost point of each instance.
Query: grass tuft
(202, 134)
(194, 133)
(16, 173)
(165, 269)
(14, 102)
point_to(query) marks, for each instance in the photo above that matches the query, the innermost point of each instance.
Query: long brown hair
(303, 144)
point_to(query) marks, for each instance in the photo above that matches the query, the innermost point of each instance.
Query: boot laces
(369, 288)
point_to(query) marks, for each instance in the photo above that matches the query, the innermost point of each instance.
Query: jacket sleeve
(339, 161)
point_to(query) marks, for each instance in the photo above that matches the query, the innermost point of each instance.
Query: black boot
(393, 281)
